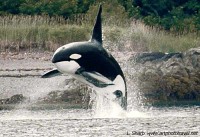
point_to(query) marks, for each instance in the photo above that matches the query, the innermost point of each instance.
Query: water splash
(104, 108)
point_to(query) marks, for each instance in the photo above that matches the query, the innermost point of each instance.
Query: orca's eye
(118, 93)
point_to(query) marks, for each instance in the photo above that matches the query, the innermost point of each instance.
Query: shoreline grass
(38, 32)
(19, 33)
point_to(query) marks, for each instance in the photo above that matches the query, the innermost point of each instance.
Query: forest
(174, 15)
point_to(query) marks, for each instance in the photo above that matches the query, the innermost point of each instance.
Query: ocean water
(174, 121)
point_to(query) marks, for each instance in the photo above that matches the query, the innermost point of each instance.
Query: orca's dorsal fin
(97, 30)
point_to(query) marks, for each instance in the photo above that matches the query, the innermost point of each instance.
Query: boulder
(15, 99)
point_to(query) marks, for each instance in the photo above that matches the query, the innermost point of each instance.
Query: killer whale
(91, 64)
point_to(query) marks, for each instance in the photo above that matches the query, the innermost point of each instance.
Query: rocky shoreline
(169, 77)
(160, 77)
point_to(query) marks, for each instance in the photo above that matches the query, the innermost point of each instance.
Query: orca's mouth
(53, 60)
(57, 59)
(60, 56)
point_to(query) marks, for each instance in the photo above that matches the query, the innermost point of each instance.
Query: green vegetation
(140, 37)
(19, 33)
(173, 26)
(38, 32)
(64, 8)
(174, 15)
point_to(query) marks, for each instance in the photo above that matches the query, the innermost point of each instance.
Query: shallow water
(81, 122)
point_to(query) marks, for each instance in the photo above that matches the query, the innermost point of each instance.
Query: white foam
(105, 108)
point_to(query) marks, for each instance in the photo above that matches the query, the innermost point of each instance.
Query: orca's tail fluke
(97, 30)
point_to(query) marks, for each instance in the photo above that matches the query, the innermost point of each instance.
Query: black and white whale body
(89, 63)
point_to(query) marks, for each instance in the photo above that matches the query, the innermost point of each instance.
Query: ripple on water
(80, 122)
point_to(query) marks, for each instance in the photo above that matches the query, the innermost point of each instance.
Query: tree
(10, 6)
(166, 13)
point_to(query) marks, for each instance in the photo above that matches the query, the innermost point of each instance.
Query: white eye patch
(75, 56)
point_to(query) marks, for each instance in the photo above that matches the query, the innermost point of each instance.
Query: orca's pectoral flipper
(95, 78)
(51, 73)
(97, 30)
